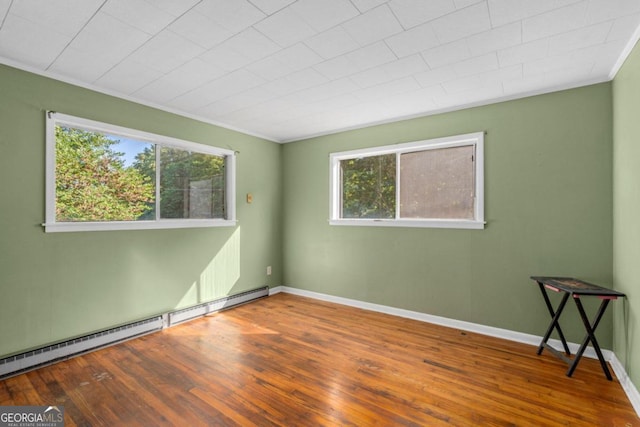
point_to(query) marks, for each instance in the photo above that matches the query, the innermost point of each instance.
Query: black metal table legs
(590, 328)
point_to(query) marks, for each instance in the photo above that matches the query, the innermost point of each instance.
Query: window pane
(102, 177)
(191, 184)
(369, 187)
(437, 183)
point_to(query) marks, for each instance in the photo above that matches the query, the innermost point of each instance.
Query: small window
(106, 177)
(434, 183)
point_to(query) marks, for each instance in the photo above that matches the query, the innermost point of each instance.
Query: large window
(106, 177)
(434, 183)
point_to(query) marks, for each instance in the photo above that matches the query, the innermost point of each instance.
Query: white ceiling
(290, 69)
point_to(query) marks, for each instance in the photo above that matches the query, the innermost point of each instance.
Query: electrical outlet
(269, 270)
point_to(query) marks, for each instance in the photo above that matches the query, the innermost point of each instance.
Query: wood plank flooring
(291, 361)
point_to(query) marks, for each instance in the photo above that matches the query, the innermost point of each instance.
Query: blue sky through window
(129, 147)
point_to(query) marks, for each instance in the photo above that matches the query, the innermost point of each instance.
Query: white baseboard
(629, 388)
(623, 377)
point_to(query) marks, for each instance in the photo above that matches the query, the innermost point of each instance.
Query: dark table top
(576, 286)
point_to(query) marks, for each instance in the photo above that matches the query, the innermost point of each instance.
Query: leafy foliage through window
(369, 187)
(101, 175)
(435, 183)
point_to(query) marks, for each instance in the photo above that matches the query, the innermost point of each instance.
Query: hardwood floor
(292, 361)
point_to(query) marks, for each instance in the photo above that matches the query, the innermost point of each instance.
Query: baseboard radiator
(180, 316)
(33, 359)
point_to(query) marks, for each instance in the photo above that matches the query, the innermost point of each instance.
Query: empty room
(319, 212)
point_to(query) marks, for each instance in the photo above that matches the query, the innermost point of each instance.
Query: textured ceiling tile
(253, 96)
(604, 10)
(304, 79)
(332, 43)
(471, 97)
(268, 68)
(581, 38)
(561, 3)
(370, 77)
(525, 84)
(415, 12)
(370, 56)
(356, 61)
(231, 84)
(373, 26)
(285, 28)
(523, 53)
(64, 17)
(623, 28)
(167, 51)
(495, 39)
(436, 77)
(271, 6)
(414, 103)
(478, 81)
(506, 11)
(81, 65)
(93, 54)
(233, 15)
(4, 9)
(93, 38)
(128, 76)
(295, 82)
(364, 5)
(447, 54)
(584, 58)
(284, 62)
(465, 22)
(330, 104)
(240, 50)
(384, 90)
(200, 29)
(175, 8)
(164, 89)
(477, 65)
(30, 43)
(569, 75)
(328, 90)
(181, 80)
(324, 14)
(297, 57)
(291, 68)
(461, 4)
(139, 14)
(391, 71)
(554, 22)
(414, 40)
(335, 68)
(610, 54)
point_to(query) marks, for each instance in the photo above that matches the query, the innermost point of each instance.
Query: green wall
(55, 286)
(548, 206)
(626, 212)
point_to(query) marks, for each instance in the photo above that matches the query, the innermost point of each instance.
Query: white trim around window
(51, 224)
(474, 140)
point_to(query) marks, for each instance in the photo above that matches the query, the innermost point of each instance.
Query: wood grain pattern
(291, 361)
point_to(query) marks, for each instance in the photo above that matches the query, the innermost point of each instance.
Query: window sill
(138, 225)
(414, 223)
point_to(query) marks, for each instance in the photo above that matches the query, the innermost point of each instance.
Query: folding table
(574, 288)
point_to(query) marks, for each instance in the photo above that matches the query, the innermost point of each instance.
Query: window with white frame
(106, 177)
(433, 183)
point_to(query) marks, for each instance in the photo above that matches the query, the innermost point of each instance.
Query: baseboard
(621, 374)
(629, 388)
